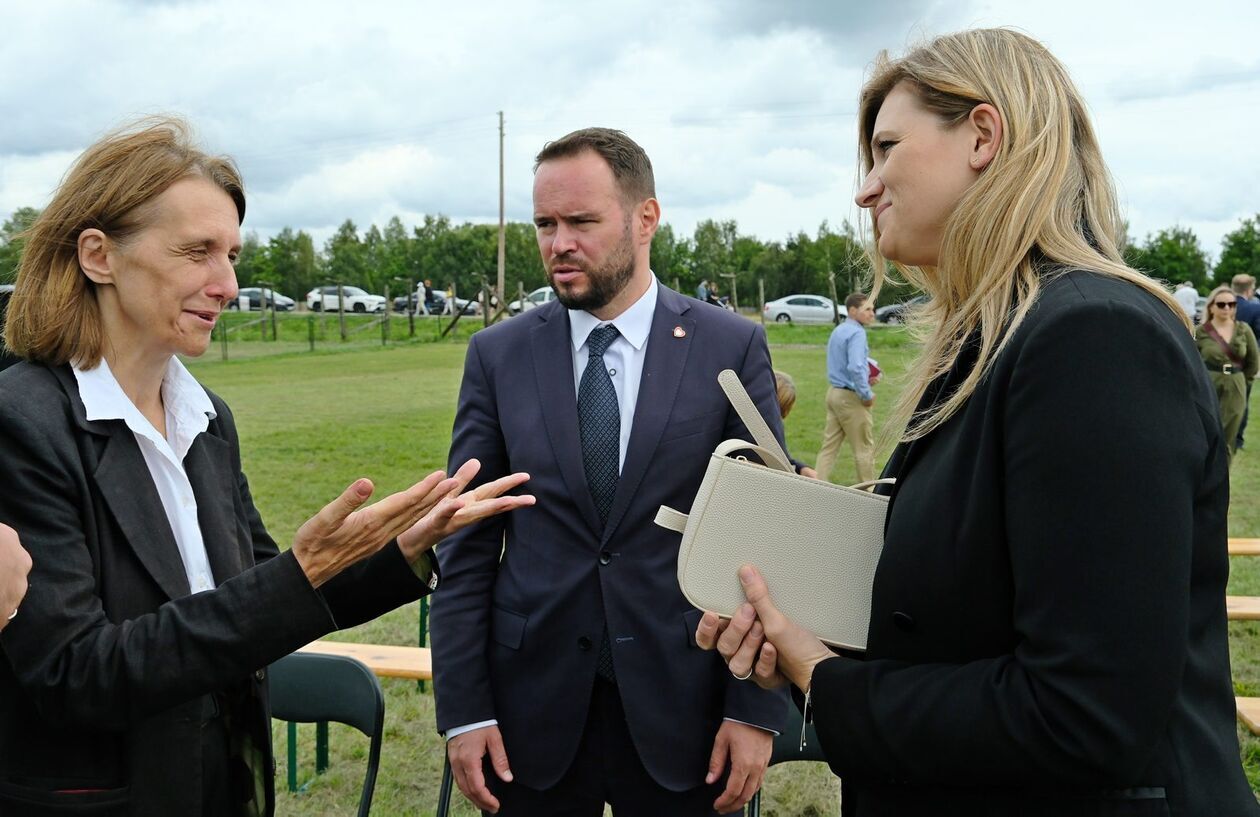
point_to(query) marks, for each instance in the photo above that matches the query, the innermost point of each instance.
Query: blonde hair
(1211, 299)
(53, 316)
(785, 391)
(1045, 203)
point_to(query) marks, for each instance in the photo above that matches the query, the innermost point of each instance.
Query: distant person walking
(1248, 312)
(1229, 351)
(1187, 297)
(702, 291)
(850, 398)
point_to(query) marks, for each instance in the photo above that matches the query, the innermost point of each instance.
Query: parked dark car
(897, 313)
(255, 294)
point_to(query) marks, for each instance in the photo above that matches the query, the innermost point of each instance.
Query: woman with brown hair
(1229, 351)
(133, 681)
(1048, 632)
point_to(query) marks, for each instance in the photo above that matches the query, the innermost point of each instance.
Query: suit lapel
(209, 467)
(663, 365)
(553, 369)
(123, 479)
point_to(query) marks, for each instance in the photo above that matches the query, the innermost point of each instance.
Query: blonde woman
(1228, 347)
(1048, 627)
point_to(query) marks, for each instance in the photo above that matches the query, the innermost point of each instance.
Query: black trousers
(606, 769)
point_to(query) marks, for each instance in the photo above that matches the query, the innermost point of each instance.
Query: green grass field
(310, 423)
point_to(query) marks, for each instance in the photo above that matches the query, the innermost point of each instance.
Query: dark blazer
(1048, 629)
(107, 672)
(517, 639)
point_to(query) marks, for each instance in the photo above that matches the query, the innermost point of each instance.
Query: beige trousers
(847, 419)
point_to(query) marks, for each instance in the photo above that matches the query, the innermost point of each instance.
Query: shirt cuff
(459, 730)
(753, 725)
(425, 570)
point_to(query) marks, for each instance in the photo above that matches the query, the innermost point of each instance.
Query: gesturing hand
(344, 532)
(460, 508)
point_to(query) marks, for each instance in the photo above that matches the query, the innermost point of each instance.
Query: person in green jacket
(1232, 358)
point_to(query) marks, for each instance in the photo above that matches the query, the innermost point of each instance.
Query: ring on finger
(12, 615)
(743, 677)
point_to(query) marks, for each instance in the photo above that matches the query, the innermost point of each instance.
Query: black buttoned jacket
(1048, 633)
(109, 669)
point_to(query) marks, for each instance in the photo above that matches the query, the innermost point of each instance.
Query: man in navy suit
(567, 674)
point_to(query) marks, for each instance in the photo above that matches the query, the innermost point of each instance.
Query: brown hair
(785, 390)
(1044, 204)
(1242, 282)
(630, 165)
(54, 317)
(855, 300)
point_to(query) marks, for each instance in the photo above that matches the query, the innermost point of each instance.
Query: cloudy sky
(373, 109)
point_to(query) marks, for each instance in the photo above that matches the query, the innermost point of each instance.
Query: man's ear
(986, 127)
(648, 218)
(94, 256)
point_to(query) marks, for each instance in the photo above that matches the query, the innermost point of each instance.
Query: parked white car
(324, 299)
(801, 309)
(538, 297)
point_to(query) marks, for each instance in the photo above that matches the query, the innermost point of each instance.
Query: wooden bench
(1242, 608)
(1244, 547)
(385, 661)
(1249, 713)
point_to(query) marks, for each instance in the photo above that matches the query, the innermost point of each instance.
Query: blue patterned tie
(599, 422)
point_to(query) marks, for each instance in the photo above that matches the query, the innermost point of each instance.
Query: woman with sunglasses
(1232, 358)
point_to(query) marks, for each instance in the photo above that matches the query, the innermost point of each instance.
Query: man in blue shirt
(850, 398)
(1244, 287)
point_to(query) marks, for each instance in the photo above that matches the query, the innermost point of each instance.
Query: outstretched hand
(460, 508)
(345, 532)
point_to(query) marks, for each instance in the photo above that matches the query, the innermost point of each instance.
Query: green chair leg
(321, 747)
(292, 756)
(423, 639)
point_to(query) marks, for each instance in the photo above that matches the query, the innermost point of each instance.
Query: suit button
(261, 675)
(584, 644)
(604, 557)
(904, 621)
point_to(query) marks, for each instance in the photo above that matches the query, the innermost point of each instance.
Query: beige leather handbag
(816, 544)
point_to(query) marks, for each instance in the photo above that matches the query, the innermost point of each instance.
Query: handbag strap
(768, 458)
(753, 421)
(1220, 341)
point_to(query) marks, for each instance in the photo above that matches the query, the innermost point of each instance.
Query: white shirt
(1188, 298)
(188, 413)
(623, 357)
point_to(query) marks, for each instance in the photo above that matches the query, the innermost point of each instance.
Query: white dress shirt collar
(188, 411)
(634, 324)
(188, 407)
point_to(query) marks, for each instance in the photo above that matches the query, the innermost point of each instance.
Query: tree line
(465, 255)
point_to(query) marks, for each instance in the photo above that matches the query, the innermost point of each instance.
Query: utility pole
(502, 286)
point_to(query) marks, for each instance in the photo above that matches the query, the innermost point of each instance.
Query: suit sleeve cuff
(753, 725)
(459, 730)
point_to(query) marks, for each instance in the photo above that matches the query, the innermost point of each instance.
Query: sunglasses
(1225, 304)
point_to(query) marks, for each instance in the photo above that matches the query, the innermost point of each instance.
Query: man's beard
(604, 282)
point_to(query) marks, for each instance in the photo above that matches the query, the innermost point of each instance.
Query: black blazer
(108, 670)
(517, 639)
(1048, 631)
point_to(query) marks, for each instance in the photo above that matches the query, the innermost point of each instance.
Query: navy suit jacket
(525, 597)
(1249, 313)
